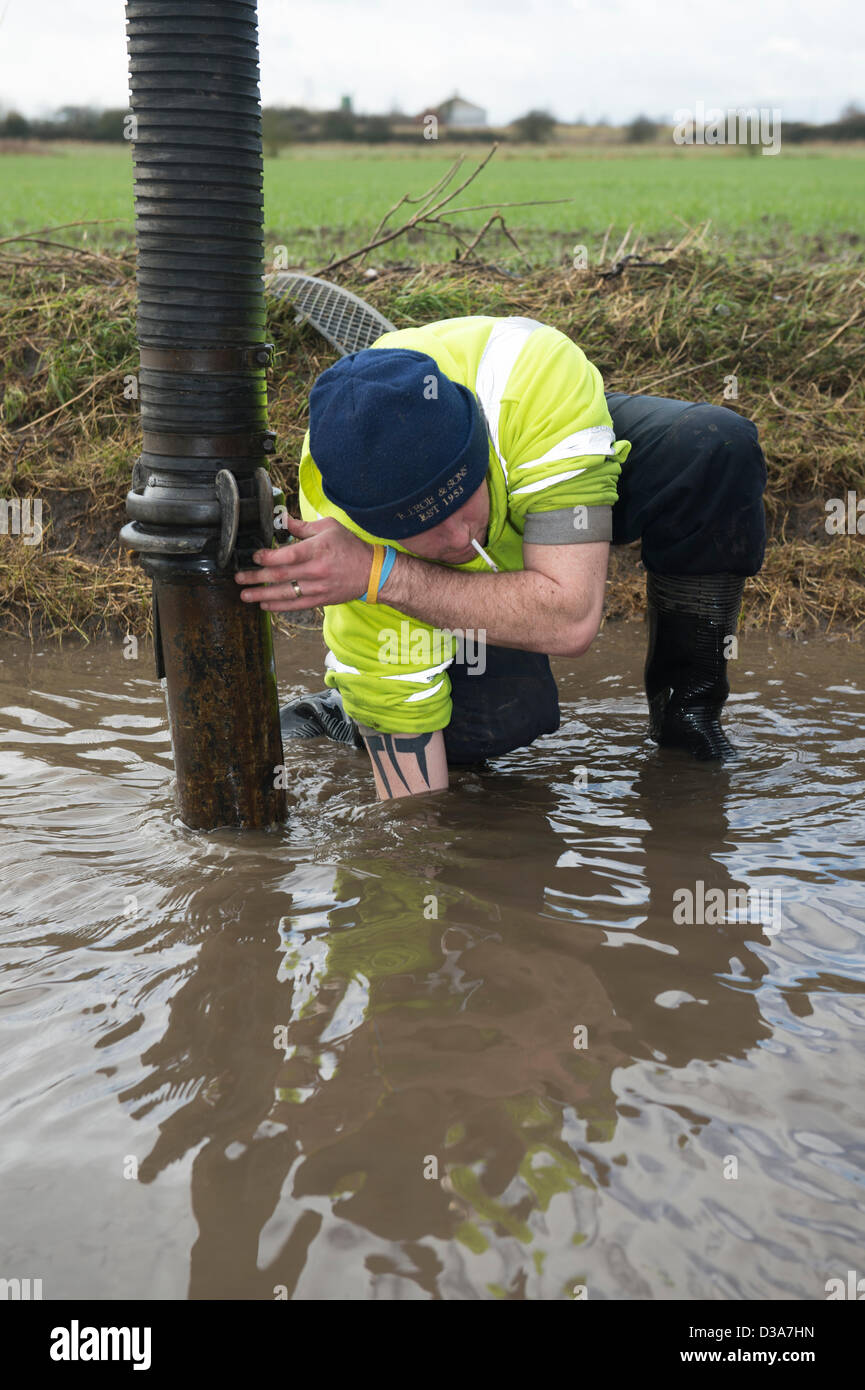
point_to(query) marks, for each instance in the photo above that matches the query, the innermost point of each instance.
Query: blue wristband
(386, 567)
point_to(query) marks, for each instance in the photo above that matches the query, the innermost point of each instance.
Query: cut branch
(428, 216)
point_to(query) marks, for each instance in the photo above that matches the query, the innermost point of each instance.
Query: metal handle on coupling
(265, 493)
(229, 507)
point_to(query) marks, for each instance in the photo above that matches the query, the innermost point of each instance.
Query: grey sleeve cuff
(569, 526)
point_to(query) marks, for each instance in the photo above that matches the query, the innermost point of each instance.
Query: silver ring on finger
(297, 588)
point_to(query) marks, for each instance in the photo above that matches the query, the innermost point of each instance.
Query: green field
(318, 198)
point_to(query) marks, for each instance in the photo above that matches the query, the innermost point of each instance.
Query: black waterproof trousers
(691, 490)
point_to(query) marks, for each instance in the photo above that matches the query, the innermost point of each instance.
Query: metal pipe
(201, 499)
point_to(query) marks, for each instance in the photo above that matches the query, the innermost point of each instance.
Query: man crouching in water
(464, 481)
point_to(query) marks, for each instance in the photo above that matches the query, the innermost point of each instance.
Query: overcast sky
(571, 57)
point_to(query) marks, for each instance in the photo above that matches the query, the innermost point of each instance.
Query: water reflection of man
(402, 1035)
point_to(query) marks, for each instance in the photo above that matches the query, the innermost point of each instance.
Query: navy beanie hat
(398, 444)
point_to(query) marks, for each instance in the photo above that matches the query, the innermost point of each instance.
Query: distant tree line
(68, 123)
(849, 126)
(289, 125)
(280, 126)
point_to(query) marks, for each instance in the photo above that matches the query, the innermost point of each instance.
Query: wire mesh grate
(343, 318)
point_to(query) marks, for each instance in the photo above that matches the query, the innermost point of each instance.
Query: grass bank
(788, 331)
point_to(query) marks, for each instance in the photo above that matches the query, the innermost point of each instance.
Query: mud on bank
(788, 332)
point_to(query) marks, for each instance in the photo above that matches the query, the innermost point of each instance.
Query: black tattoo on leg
(386, 743)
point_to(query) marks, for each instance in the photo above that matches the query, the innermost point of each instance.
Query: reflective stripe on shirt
(423, 694)
(507, 339)
(425, 675)
(598, 439)
(428, 674)
(334, 663)
(547, 482)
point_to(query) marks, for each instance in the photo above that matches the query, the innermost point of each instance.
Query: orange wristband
(375, 574)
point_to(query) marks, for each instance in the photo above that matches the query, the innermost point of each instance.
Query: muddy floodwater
(592, 1019)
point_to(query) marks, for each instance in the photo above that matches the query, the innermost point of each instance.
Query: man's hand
(328, 563)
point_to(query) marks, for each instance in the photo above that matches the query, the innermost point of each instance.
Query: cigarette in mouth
(479, 548)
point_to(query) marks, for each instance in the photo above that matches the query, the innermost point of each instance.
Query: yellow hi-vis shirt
(554, 462)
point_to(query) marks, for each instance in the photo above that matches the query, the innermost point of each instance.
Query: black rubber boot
(317, 716)
(690, 620)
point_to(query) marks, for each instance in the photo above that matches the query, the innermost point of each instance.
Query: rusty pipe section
(201, 500)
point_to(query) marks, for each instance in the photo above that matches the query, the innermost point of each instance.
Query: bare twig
(61, 227)
(496, 217)
(427, 215)
(407, 198)
(629, 262)
(76, 250)
(532, 203)
(623, 243)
